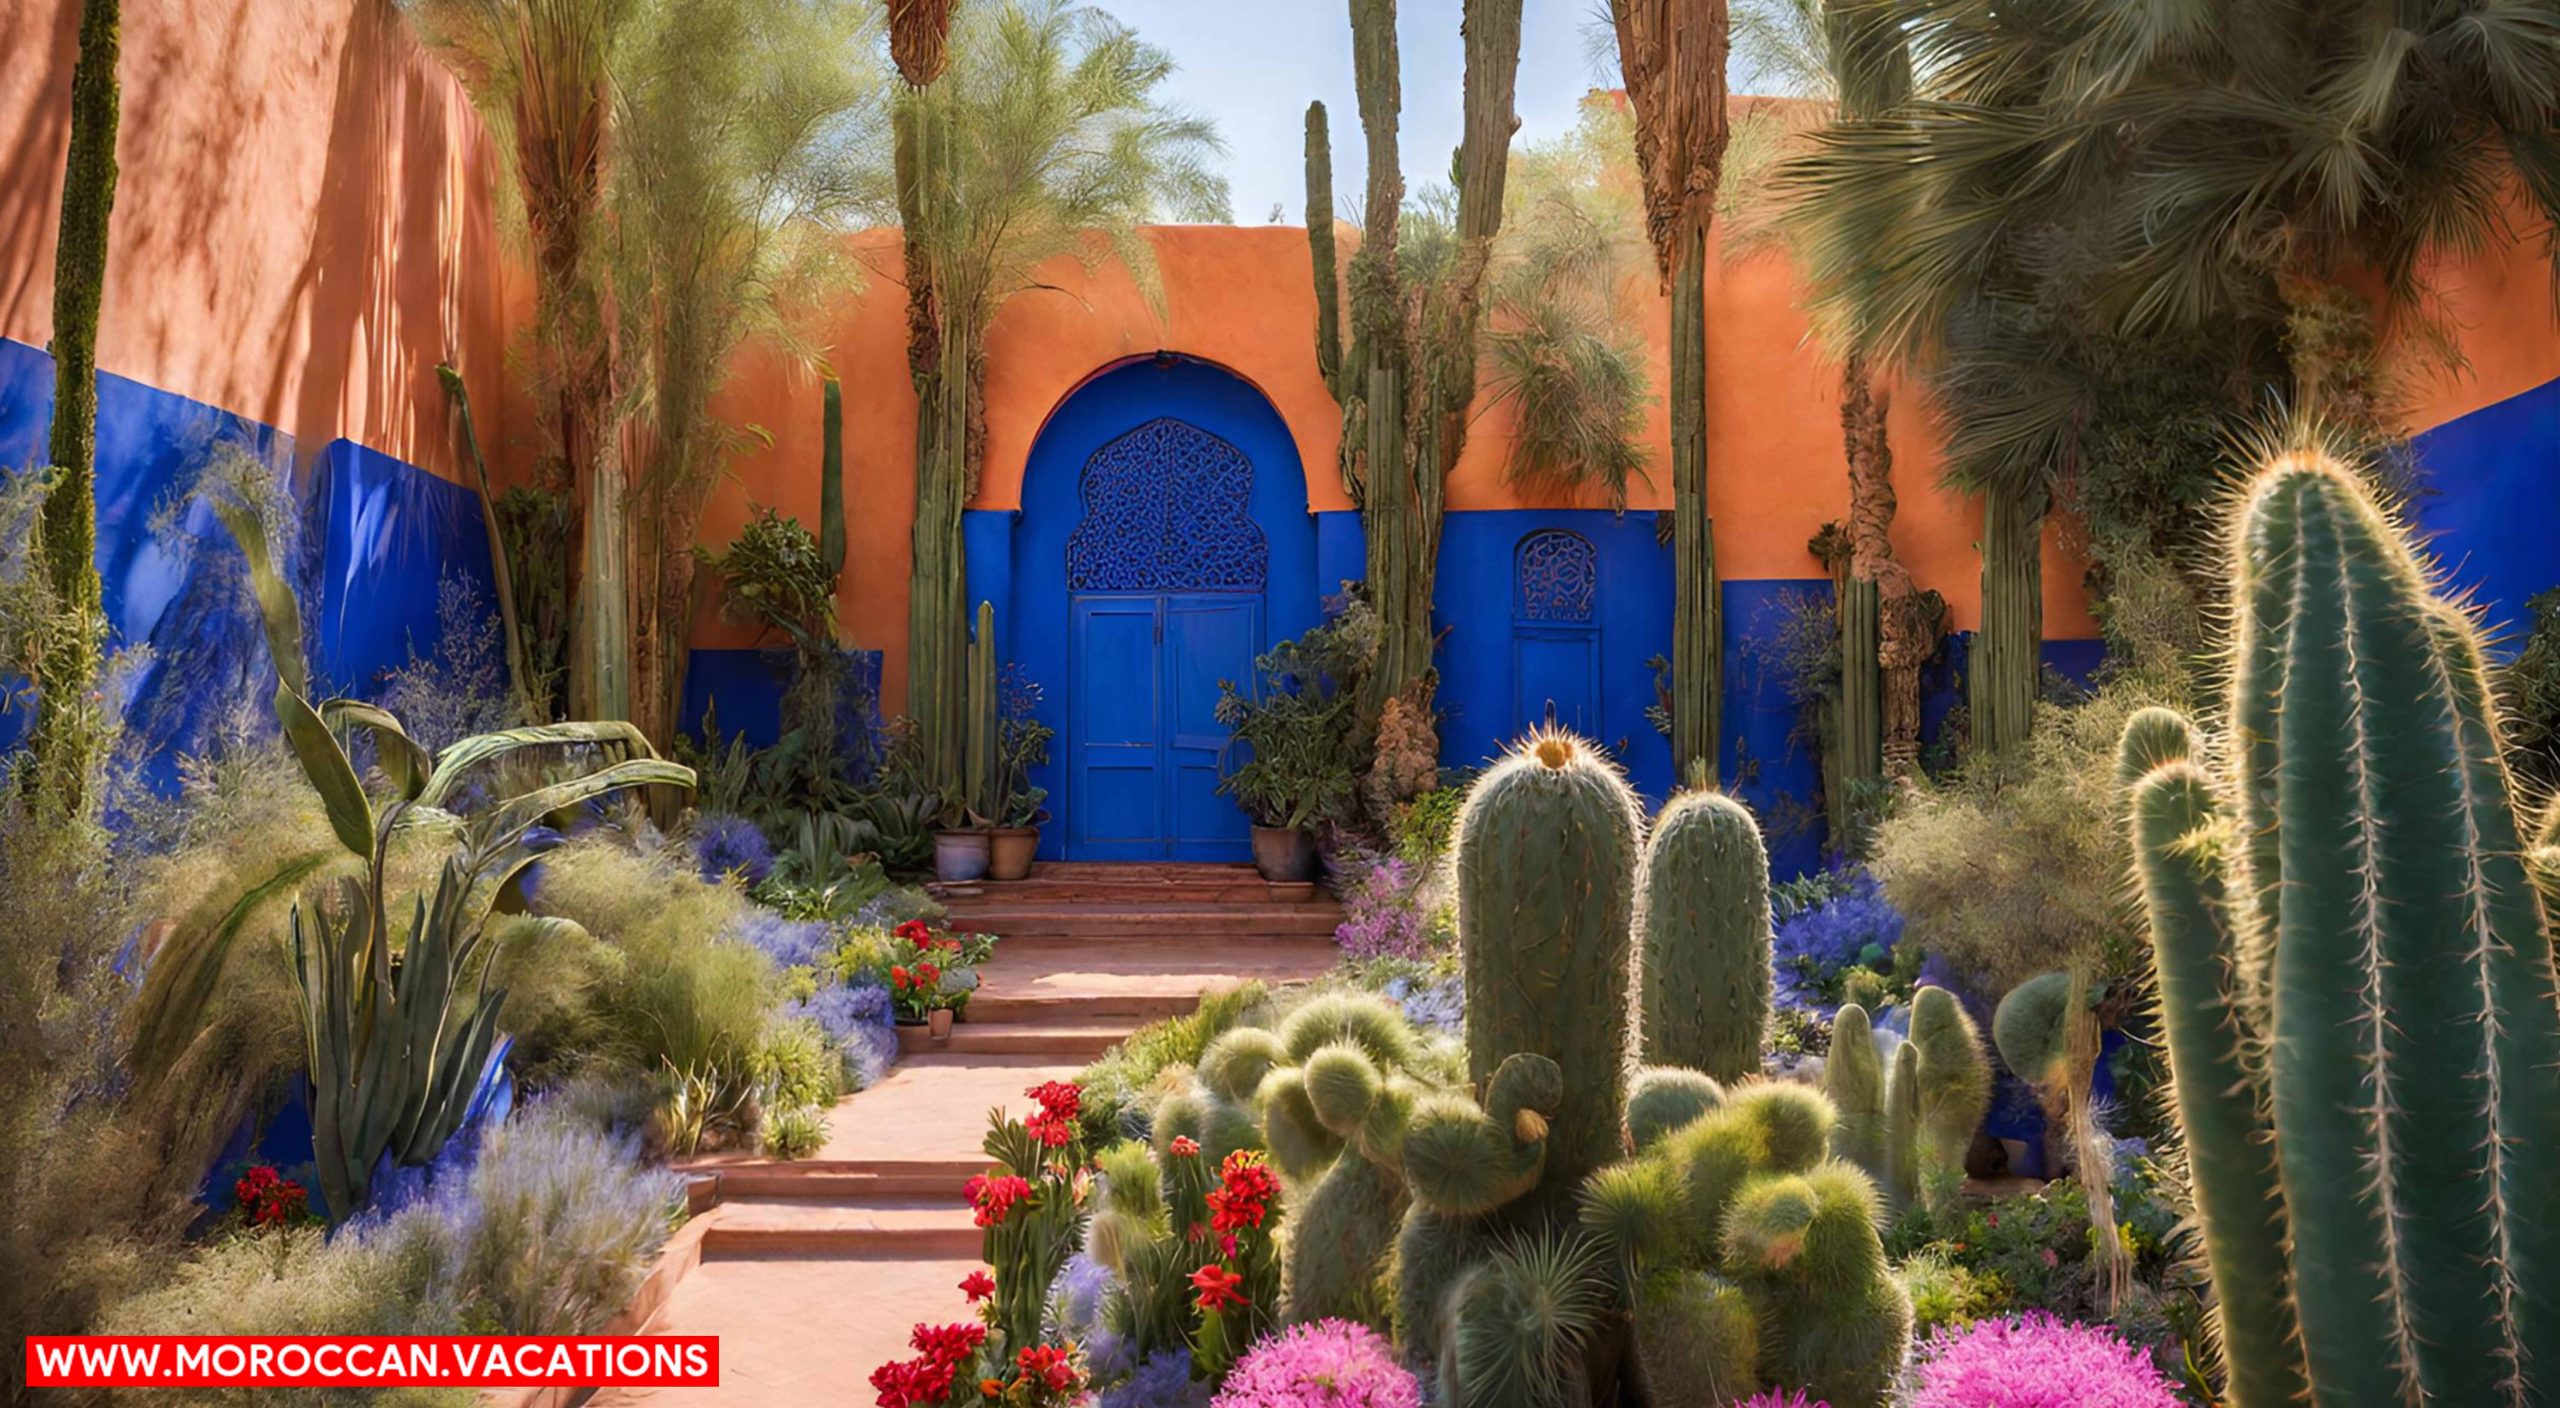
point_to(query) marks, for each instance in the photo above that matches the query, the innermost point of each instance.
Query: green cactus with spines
(1471, 1159)
(1697, 1340)
(1218, 1126)
(1706, 938)
(1832, 1318)
(1633, 1210)
(1854, 1079)
(1661, 1099)
(2371, 989)
(1369, 1022)
(1902, 1160)
(2032, 1028)
(1545, 865)
(1300, 1145)
(1433, 1251)
(1523, 1322)
(1337, 1242)
(2154, 737)
(1129, 1206)
(1955, 1080)
(1233, 1064)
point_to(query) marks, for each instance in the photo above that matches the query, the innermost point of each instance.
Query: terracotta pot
(937, 1024)
(1010, 850)
(959, 856)
(1284, 856)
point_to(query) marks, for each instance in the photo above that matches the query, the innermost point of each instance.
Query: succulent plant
(1706, 937)
(2361, 1018)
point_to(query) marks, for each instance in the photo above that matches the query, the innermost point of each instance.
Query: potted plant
(932, 975)
(963, 844)
(1022, 743)
(1297, 731)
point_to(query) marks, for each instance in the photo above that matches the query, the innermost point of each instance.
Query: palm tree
(1043, 139)
(1848, 52)
(63, 656)
(540, 72)
(740, 131)
(1672, 54)
(2073, 173)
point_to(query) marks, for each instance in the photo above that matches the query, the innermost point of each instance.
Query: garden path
(813, 1272)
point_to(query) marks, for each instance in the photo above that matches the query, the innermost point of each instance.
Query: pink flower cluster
(2037, 1361)
(1327, 1364)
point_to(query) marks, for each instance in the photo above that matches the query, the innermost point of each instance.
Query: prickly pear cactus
(2362, 1017)
(1706, 937)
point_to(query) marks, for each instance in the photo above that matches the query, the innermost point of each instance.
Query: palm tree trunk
(1697, 652)
(70, 726)
(2006, 665)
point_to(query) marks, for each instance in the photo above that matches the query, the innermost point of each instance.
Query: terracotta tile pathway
(812, 1272)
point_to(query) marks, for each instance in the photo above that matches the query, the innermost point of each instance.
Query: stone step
(813, 1180)
(792, 1227)
(1051, 1008)
(1077, 1041)
(1055, 881)
(1232, 922)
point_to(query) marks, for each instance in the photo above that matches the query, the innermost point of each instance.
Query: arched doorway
(1164, 542)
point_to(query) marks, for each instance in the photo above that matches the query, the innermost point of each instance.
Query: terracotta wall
(304, 226)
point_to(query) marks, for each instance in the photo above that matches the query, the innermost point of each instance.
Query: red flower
(994, 1197)
(927, 975)
(914, 931)
(979, 1286)
(1185, 1147)
(1059, 1099)
(1050, 1365)
(1244, 1193)
(1217, 1287)
(899, 976)
(991, 1388)
(927, 1378)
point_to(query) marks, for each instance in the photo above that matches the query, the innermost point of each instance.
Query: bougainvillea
(1327, 1364)
(941, 1353)
(2036, 1361)
(269, 1199)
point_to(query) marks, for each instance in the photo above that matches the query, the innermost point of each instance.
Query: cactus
(2153, 737)
(1954, 1079)
(2032, 1028)
(1697, 1340)
(1706, 937)
(831, 539)
(982, 776)
(1661, 1099)
(1521, 1322)
(1854, 1079)
(1832, 1317)
(2000, 678)
(1546, 856)
(1901, 1179)
(2362, 1022)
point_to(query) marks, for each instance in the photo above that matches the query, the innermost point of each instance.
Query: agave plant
(420, 791)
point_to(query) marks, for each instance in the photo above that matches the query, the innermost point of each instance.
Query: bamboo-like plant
(1405, 377)
(1672, 54)
(1043, 139)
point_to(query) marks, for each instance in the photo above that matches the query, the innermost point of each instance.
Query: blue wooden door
(1148, 748)
(1166, 573)
(1555, 640)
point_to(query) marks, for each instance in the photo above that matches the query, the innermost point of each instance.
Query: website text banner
(373, 1361)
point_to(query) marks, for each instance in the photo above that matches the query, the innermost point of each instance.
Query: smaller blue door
(1147, 746)
(1555, 641)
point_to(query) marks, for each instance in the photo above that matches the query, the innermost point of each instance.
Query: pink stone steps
(908, 1227)
(1073, 1041)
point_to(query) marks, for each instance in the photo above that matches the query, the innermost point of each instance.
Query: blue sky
(1253, 65)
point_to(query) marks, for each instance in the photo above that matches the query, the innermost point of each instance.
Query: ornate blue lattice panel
(1556, 576)
(1168, 507)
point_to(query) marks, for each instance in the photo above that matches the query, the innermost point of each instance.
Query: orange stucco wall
(1242, 297)
(304, 225)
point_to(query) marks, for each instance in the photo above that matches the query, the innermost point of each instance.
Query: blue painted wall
(1019, 561)
(2489, 503)
(376, 535)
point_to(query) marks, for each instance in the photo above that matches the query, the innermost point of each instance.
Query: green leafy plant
(1299, 725)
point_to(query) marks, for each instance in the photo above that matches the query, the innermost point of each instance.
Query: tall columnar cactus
(831, 540)
(1706, 937)
(1854, 1079)
(1902, 1164)
(982, 776)
(2363, 1019)
(1546, 858)
(1954, 1080)
(2000, 680)
(1861, 716)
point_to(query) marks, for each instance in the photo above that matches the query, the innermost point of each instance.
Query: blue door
(1165, 577)
(1555, 642)
(1148, 745)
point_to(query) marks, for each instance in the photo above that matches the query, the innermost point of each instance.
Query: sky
(1253, 66)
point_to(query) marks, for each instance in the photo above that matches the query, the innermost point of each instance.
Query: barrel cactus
(1706, 937)
(2356, 980)
(1335, 1097)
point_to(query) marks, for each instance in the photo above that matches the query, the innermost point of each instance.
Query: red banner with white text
(373, 1361)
